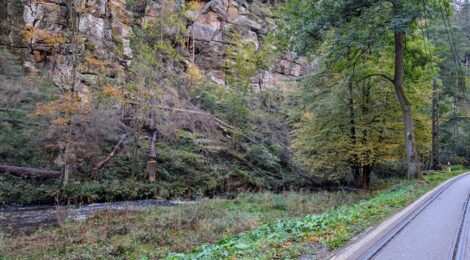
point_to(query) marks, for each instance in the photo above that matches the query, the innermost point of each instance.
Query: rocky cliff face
(34, 28)
(214, 22)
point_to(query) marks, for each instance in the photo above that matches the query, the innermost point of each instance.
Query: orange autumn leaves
(60, 109)
(64, 105)
(112, 92)
(51, 39)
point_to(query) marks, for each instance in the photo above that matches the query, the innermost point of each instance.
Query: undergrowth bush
(156, 232)
(332, 228)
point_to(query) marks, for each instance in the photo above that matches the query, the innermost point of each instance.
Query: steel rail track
(391, 234)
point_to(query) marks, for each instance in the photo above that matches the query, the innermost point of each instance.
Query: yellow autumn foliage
(61, 121)
(59, 106)
(113, 92)
(92, 60)
(49, 38)
(194, 72)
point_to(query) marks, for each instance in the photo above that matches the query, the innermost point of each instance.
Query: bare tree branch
(378, 75)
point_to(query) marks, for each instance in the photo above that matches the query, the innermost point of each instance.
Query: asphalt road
(431, 234)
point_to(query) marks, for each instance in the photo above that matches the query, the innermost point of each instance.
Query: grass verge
(156, 232)
(252, 226)
(332, 229)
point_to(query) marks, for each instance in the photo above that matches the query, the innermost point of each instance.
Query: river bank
(26, 220)
(157, 231)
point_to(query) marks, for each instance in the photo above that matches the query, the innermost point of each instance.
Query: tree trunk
(357, 176)
(152, 156)
(117, 148)
(352, 121)
(29, 172)
(411, 155)
(70, 166)
(366, 172)
(367, 168)
(455, 127)
(70, 158)
(435, 156)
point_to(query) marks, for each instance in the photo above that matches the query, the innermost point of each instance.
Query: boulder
(217, 76)
(46, 16)
(212, 19)
(250, 36)
(216, 6)
(202, 31)
(93, 26)
(245, 21)
(289, 68)
(232, 13)
(210, 55)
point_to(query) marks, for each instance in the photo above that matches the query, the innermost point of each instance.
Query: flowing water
(18, 220)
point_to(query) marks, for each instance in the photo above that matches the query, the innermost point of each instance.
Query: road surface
(434, 227)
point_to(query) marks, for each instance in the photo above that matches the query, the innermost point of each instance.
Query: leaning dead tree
(221, 124)
(29, 172)
(117, 148)
(151, 169)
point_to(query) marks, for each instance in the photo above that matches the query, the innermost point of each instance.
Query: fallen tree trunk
(117, 148)
(221, 124)
(4, 109)
(224, 125)
(29, 172)
(19, 122)
(240, 158)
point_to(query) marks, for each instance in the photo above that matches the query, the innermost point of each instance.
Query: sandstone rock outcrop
(40, 30)
(106, 30)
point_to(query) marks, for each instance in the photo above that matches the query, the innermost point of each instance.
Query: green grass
(156, 232)
(252, 226)
(333, 228)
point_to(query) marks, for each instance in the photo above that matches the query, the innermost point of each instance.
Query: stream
(23, 220)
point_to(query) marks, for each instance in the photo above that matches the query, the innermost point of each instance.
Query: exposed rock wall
(34, 27)
(213, 23)
(42, 31)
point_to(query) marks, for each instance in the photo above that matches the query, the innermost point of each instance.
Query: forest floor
(249, 226)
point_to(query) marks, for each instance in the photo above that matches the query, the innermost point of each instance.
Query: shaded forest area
(192, 99)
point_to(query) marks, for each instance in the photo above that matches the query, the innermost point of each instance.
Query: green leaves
(348, 115)
(331, 228)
